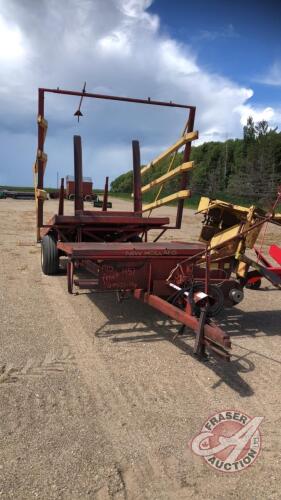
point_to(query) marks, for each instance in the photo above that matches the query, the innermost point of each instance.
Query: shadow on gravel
(253, 324)
(134, 322)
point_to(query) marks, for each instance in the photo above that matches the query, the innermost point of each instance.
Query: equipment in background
(229, 230)
(254, 277)
(87, 188)
(98, 203)
(18, 195)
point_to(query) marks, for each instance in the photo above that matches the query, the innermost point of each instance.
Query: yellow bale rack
(171, 172)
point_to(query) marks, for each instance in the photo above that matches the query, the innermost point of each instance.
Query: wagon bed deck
(129, 249)
(105, 221)
(103, 218)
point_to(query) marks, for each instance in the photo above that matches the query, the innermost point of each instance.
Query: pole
(105, 195)
(61, 199)
(40, 163)
(137, 176)
(78, 175)
(185, 178)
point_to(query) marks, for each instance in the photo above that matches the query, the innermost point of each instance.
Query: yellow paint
(167, 199)
(191, 136)
(169, 175)
(41, 194)
(224, 236)
(203, 204)
(42, 122)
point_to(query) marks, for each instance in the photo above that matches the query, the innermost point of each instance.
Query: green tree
(249, 168)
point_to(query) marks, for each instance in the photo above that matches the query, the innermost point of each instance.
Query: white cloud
(268, 114)
(115, 42)
(273, 76)
(11, 42)
(118, 48)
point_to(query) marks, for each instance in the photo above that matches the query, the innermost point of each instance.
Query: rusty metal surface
(61, 197)
(40, 147)
(110, 218)
(78, 174)
(212, 332)
(105, 196)
(149, 101)
(84, 94)
(137, 177)
(185, 177)
(129, 249)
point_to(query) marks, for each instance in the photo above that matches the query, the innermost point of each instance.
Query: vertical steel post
(105, 195)
(40, 163)
(78, 174)
(61, 200)
(137, 176)
(185, 177)
(207, 272)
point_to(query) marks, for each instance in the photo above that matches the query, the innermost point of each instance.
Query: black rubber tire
(49, 255)
(214, 292)
(226, 288)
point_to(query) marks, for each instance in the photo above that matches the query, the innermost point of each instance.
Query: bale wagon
(188, 282)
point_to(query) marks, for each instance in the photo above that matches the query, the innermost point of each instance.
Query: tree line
(247, 168)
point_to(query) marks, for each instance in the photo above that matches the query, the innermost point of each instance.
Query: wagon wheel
(49, 255)
(215, 294)
(232, 291)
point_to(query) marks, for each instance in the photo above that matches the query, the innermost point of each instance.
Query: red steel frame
(140, 268)
(148, 101)
(275, 253)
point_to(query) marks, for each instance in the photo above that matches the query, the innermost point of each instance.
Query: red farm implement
(112, 250)
(87, 188)
(254, 277)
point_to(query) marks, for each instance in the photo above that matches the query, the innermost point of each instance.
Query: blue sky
(241, 39)
(221, 56)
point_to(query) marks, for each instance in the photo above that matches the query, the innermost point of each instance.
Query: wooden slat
(169, 175)
(167, 199)
(183, 140)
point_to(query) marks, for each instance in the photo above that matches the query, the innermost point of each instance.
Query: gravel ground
(97, 401)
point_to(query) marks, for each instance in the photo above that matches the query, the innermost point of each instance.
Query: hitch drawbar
(208, 334)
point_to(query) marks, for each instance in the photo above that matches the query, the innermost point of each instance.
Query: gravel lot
(97, 401)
